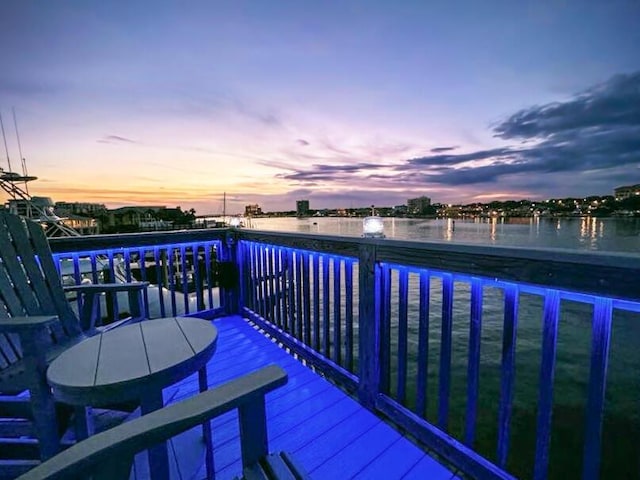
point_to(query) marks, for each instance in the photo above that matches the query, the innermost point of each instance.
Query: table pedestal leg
(206, 429)
(158, 456)
(83, 422)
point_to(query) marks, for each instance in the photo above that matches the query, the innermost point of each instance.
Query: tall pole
(22, 159)
(4, 137)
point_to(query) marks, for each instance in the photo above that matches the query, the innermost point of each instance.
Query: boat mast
(4, 138)
(23, 160)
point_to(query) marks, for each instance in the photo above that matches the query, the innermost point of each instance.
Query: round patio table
(134, 363)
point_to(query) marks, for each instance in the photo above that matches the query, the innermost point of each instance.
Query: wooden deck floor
(330, 434)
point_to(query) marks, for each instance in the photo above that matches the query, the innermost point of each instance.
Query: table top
(126, 363)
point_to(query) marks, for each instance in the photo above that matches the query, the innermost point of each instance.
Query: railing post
(229, 280)
(369, 325)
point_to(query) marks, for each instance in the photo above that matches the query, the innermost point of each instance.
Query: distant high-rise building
(252, 210)
(418, 206)
(302, 208)
(622, 193)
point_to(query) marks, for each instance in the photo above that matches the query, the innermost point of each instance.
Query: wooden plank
(600, 343)
(122, 351)
(423, 345)
(349, 461)
(337, 312)
(80, 374)
(444, 385)
(394, 462)
(197, 332)
(508, 372)
(547, 370)
(159, 280)
(306, 298)
(316, 302)
(326, 315)
(385, 329)
(473, 363)
(297, 258)
(165, 344)
(325, 446)
(348, 318)
(427, 467)
(277, 271)
(403, 299)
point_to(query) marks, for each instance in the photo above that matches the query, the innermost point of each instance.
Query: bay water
(621, 430)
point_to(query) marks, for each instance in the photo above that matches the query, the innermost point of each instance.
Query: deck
(331, 434)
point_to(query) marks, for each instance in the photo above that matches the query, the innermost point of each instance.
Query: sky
(344, 103)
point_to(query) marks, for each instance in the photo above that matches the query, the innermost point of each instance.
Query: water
(584, 233)
(621, 432)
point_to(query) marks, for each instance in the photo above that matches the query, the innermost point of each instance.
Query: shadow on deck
(330, 434)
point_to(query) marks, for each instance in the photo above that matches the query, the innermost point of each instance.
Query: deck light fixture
(372, 227)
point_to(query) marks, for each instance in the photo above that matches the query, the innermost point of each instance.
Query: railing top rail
(600, 273)
(122, 240)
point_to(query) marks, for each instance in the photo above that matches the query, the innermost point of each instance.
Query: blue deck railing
(466, 348)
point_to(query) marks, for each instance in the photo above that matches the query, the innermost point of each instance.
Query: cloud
(615, 103)
(594, 135)
(116, 139)
(302, 141)
(442, 149)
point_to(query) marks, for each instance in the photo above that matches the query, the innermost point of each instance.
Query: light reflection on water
(580, 233)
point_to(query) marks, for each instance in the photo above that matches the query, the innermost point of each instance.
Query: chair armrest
(122, 442)
(25, 324)
(106, 287)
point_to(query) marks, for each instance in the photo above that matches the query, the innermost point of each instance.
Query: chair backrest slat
(15, 271)
(30, 284)
(63, 309)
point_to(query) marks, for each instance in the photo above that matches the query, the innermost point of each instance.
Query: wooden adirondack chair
(110, 454)
(36, 325)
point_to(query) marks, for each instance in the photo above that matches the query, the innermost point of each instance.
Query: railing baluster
(172, 279)
(185, 278)
(547, 369)
(473, 366)
(326, 317)
(291, 282)
(277, 275)
(423, 344)
(284, 280)
(197, 278)
(299, 308)
(271, 284)
(207, 269)
(127, 264)
(159, 267)
(600, 342)
(337, 317)
(385, 329)
(264, 281)
(348, 321)
(507, 378)
(142, 260)
(306, 299)
(403, 299)
(111, 299)
(316, 302)
(445, 352)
